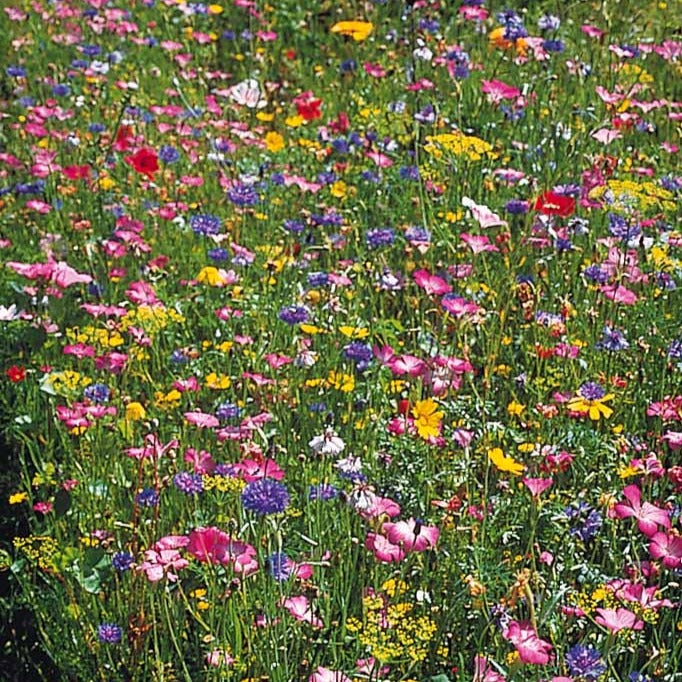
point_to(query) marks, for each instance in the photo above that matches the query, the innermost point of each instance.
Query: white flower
(327, 444)
(248, 94)
(9, 314)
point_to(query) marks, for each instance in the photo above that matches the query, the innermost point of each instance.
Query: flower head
(265, 496)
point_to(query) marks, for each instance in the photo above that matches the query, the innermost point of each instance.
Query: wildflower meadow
(341, 341)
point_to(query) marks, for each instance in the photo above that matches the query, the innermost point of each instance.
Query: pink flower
(459, 307)
(648, 516)
(299, 607)
(673, 438)
(619, 294)
(498, 91)
(384, 550)
(141, 293)
(411, 535)
(530, 647)
(482, 213)
(432, 284)
(478, 243)
(218, 657)
(214, 546)
(327, 675)
(668, 547)
(163, 558)
(618, 619)
(201, 419)
(201, 461)
(537, 486)
(483, 672)
(406, 364)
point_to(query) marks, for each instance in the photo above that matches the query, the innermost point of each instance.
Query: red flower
(16, 374)
(144, 161)
(550, 203)
(308, 106)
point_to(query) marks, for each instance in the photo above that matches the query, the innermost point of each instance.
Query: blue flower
(585, 662)
(122, 561)
(205, 224)
(265, 496)
(109, 633)
(294, 314)
(190, 484)
(384, 236)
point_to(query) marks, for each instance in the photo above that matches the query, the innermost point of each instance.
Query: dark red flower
(16, 374)
(550, 203)
(144, 161)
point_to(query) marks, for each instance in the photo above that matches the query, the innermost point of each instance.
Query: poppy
(550, 203)
(144, 161)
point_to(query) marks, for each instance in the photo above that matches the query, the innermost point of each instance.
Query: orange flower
(357, 30)
(427, 419)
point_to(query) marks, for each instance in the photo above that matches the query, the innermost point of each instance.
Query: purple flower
(169, 154)
(380, 237)
(243, 195)
(279, 566)
(147, 498)
(591, 390)
(360, 353)
(322, 491)
(97, 393)
(122, 561)
(517, 207)
(205, 224)
(265, 496)
(675, 350)
(188, 483)
(109, 633)
(294, 314)
(595, 274)
(585, 662)
(612, 340)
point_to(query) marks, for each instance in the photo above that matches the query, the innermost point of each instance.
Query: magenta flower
(667, 547)
(214, 546)
(432, 284)
(164, 558)
(618, 619)
(483, 671)
(530, 647)
(411, 535)
(407, 364)
(648, 516)
(202, 420)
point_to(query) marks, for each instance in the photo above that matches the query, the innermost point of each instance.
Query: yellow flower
(354, 332)
(218, 381)
(274, 142)
(341, 382)
(595, 409)
(504, 463)
(212, 276)
(135, 411)
(515, 409)
(18, 498)
(427, 419)
(357, 30)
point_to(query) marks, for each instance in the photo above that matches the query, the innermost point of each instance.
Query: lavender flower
(612, 340)
(380, 237)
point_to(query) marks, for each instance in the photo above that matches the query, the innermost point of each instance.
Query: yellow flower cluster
(223, 484)
(459, 144)
(393, 632)
(39, 548)
(626, 194)
(150, 318)
(67, 382)
(167, 401)
(106, 338)
(338, 380)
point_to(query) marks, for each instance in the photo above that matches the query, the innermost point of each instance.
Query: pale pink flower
(498, 91)
(482, 213)
(537, 486)
(201, 419)
(618, 619)
(299, 607)
(483, 672)
(326, 675)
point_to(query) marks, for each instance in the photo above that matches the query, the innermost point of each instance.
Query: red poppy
(550, 203)
(16, 374)
(144, 161)
(308, 106)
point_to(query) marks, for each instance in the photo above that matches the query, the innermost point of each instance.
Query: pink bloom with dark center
(411, 535)
(432, 284)
(667, 547)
